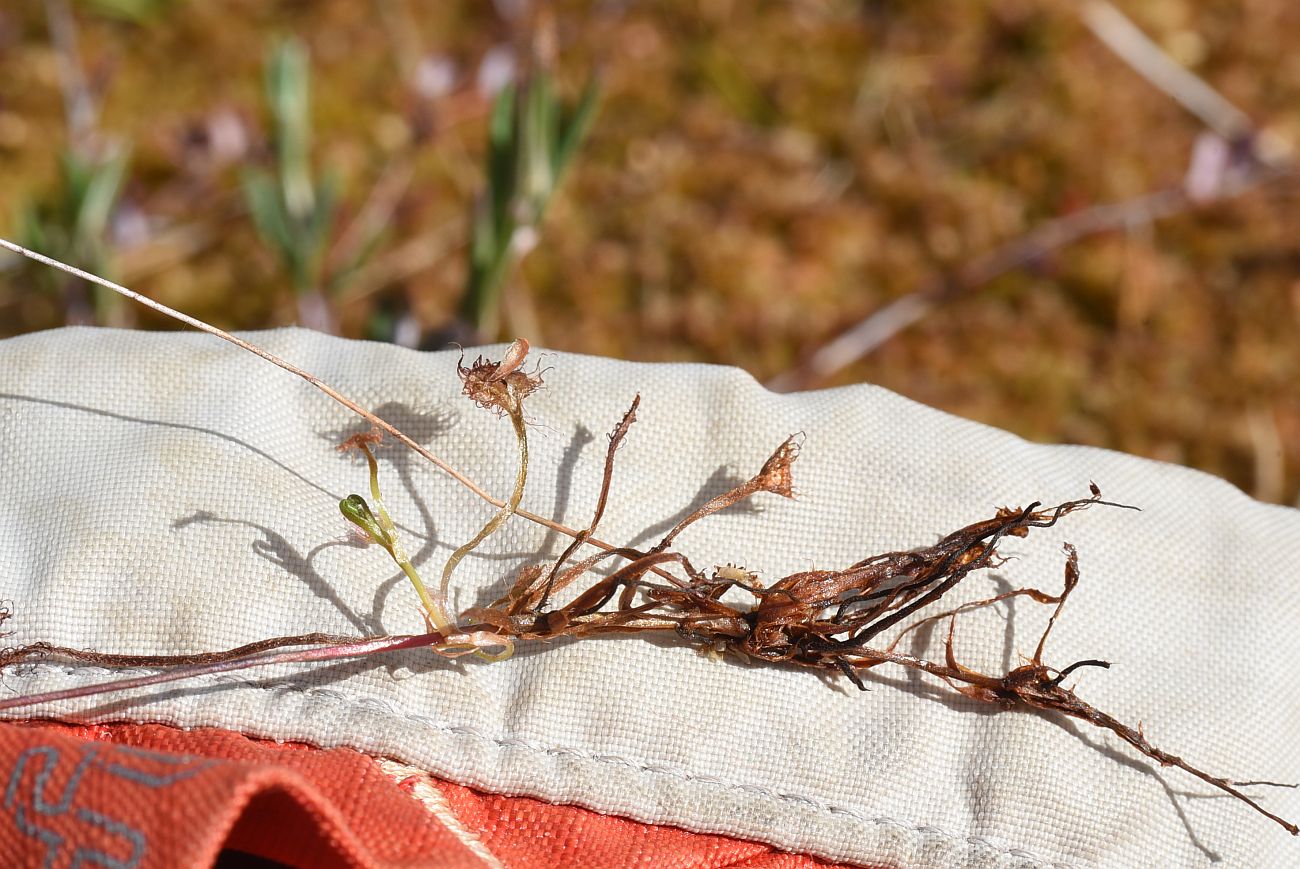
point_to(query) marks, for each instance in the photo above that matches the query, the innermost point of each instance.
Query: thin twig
(615, 438)
(1135, 48)
(42, 651)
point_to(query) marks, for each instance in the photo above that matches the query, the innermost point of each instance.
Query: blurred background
(1074, 221)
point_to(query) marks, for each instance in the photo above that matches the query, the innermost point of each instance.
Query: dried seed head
(500, 386)
(776, 475)
(362, 441)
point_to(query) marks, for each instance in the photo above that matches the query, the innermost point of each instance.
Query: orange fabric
(145, 796)
(524, 832)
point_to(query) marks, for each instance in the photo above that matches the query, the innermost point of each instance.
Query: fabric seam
(387, 708)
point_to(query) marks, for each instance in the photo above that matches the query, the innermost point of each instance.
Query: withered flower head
(362, 441)
(776, 475)
(500, 386)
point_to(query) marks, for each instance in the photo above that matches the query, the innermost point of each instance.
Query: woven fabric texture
(150, 797)
(147, 796)
(169, 494)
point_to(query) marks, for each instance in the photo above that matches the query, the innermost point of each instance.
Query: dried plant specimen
(826, 620)
(823, 619)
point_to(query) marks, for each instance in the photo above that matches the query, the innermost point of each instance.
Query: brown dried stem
(615, 439)
(348, 647)
(44, 651)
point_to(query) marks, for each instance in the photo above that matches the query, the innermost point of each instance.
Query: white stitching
(387, 708)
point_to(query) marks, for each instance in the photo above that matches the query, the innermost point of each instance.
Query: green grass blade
(575, 127)
(288, 94)
(262, 195)
(99, 194)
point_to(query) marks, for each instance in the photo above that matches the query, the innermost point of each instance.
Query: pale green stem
(436, 608)
(521, 435)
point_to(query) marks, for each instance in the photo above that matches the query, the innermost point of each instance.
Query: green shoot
(502, 387)
(533, 138)
(357, 511)
(295, 212)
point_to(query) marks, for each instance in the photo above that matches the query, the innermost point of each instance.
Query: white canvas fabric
(170, 494)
